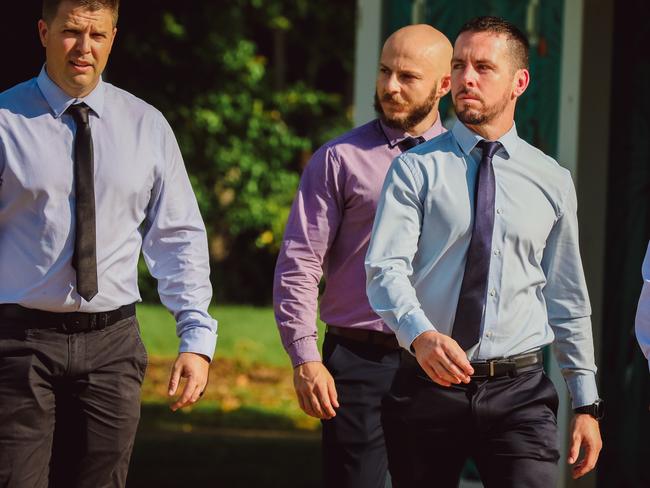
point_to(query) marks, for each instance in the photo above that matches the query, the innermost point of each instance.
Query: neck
(426, 123)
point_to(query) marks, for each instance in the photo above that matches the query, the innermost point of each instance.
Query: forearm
(295, 302)
(574, 352)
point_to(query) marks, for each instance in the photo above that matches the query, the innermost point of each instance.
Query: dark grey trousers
(69, 405)
(507, 425)
(354, 452)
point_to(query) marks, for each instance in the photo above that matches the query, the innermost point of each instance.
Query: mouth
(81, 66)
(468, 97)
(394, 105)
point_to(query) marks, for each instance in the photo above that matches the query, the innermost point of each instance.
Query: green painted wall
(537, 110)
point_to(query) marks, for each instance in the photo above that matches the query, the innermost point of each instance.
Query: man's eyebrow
(475, 61)
(484, 61)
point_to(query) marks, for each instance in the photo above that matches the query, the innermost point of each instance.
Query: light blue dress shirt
(143, 200)
(642, 323)
(536, 291)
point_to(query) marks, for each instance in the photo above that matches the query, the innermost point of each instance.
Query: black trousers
(69, 405)
(507, 425)
(354, 452)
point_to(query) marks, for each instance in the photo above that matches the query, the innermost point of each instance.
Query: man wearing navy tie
(474, 263)
(89, 176)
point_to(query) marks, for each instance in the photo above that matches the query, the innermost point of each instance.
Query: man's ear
(42, 32)
(444, 86)
(520, 82)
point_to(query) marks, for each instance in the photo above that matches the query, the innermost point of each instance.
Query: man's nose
(392, 84)
(468, 76)
(83, 43)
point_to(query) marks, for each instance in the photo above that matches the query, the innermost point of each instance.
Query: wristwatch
(596, 409)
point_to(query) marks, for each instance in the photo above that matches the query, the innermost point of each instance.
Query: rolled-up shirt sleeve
(175, 249)
(567, 303)
(311, 228)
(389, 261)
(642, 322)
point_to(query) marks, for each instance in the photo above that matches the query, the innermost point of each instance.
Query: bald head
(420, 43)
(413, 76)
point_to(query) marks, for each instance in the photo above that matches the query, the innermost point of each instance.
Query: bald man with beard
(327, 235)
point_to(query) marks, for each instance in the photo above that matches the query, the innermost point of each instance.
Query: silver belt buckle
(491, 368)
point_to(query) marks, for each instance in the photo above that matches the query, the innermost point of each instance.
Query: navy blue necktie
(84, 258)
(409, 142)
(473, 291)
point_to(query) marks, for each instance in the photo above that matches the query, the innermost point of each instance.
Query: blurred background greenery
(251, 89)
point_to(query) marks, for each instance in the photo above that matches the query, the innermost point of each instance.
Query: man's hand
(194, 368)
(315, 389)
(442, 358)
(585, 434)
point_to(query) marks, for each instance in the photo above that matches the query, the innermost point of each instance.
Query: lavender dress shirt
(327, 235)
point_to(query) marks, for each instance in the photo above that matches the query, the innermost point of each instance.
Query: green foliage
(246, 96)
(247, 334)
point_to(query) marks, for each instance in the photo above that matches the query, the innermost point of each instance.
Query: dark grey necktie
(471, 302)
(409, 142)
(84, 259)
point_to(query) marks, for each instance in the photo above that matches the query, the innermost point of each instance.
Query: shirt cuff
(303, 350)
(199, 340)
(583, 390)
(411, 326)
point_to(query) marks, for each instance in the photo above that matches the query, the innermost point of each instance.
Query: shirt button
(488, 334)
(493, 292)
(499, 211)
(497, 252)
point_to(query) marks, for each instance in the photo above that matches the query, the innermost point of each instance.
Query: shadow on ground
(173, 450)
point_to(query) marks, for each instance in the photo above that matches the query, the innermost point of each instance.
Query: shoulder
(133, 108)
(431, 152)
(367, 132)
(553, 179)
(362, 138)
(443, 142)
(551, 170)
(22, 100)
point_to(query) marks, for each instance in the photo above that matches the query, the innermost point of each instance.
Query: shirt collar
(467, 139)
(395, 136)
(59, 101)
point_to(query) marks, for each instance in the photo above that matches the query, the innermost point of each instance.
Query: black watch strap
(596, 409)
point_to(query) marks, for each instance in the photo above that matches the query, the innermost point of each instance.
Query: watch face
(599, 409)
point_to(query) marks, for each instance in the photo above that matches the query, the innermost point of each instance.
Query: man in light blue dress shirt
(475, 242)
(89, 176)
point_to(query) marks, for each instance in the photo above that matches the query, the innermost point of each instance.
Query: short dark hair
(517, 40)
(51, 7)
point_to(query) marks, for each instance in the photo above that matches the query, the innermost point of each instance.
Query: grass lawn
(247, 334)
(247, 430)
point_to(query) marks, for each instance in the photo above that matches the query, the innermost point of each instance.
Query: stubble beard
(481, 116)
(416, 115)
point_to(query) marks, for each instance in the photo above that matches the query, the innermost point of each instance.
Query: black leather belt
(496, 368)
(389, 341)
(66, 322)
